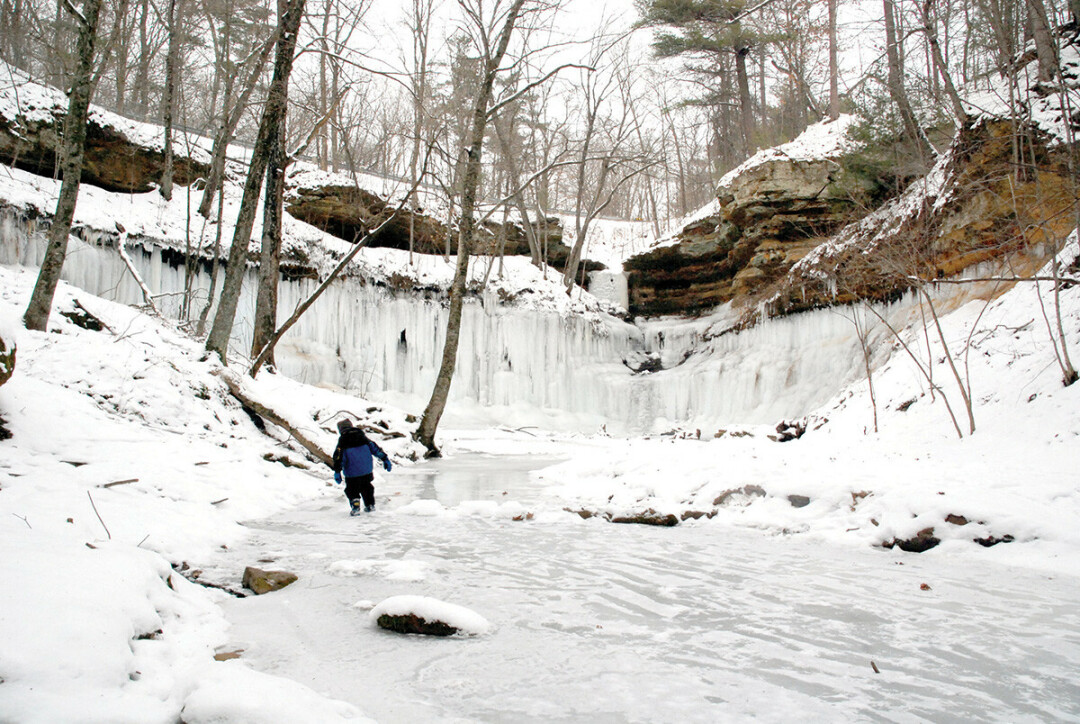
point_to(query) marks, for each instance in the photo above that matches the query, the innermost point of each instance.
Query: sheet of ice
(712, 620)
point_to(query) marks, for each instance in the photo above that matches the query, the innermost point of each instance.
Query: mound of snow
(467, 622)
(233, 694)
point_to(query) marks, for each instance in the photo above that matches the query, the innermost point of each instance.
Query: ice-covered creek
(594, 621)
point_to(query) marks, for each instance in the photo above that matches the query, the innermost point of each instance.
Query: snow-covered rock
(429, 616)
(120, 154)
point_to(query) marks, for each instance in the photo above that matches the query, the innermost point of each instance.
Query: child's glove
(337, 477)
(386, 464)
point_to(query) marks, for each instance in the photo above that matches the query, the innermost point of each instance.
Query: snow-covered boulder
(428, 616)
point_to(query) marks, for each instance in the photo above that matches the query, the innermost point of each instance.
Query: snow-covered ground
(128, 460)
(131, 472)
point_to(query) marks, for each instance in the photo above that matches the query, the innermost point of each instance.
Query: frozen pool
(601, 622)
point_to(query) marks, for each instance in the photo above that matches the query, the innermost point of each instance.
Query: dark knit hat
(344, 424)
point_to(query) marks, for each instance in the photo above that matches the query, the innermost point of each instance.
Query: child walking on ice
(353, 459)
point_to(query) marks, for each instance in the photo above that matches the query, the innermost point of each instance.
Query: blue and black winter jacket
(352, 456)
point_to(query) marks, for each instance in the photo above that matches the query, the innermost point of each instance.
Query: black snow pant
(361, 486)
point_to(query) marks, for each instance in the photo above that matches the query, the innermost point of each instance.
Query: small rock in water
(261, 581)
(427, 616)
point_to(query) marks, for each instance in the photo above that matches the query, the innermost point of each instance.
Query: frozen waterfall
(386, 344)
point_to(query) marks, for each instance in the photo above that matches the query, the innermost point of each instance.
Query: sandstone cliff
(770, 212)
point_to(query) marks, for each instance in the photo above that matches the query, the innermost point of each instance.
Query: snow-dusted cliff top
(827, 139)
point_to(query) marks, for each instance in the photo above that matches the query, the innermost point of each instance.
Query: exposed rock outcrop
(975, 206)
(771, 211)
(120, 154)
(344, 210)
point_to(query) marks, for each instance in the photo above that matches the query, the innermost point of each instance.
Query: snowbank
(128, 460)
(1009, 478)
(237, 695)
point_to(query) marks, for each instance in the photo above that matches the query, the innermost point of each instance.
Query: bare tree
(290, 14)
(168, 103)
(604, 145)
(912, 128)
(493, 34)
(37, 312)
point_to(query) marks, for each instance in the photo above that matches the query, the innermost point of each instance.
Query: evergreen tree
(711, 30)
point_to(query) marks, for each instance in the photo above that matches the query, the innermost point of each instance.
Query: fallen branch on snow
(239, 390)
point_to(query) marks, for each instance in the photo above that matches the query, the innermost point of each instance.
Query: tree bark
(1045, 47)
(168, 103)
(37, 312)
(270, 258)
(291, 12)
(425, 432)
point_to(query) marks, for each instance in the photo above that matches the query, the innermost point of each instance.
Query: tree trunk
(238, 388)
(745, 102)
(930, 28)
(142, 74)
(37, 312)
(123, 57)
(230, 119)
(1045, 47)
(291, 12)
(270, 258)
(517, 197)
(834, 66)
(168, 103)
(896, 86)
(425, 433)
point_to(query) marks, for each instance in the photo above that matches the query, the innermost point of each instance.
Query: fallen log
(239, 390)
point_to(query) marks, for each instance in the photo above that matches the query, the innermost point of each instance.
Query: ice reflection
(454, 480)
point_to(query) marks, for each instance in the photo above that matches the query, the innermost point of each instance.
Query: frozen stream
(600, 622)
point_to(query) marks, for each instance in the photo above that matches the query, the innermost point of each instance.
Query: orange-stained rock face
(979, 209)
(766, 221)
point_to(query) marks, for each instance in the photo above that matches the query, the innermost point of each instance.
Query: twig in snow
(143, 541)
(98, 515)
(24, 520)
(120, 482)
(218, 502)
(875, 668)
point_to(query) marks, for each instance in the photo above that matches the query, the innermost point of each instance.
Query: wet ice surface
(594, 621)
